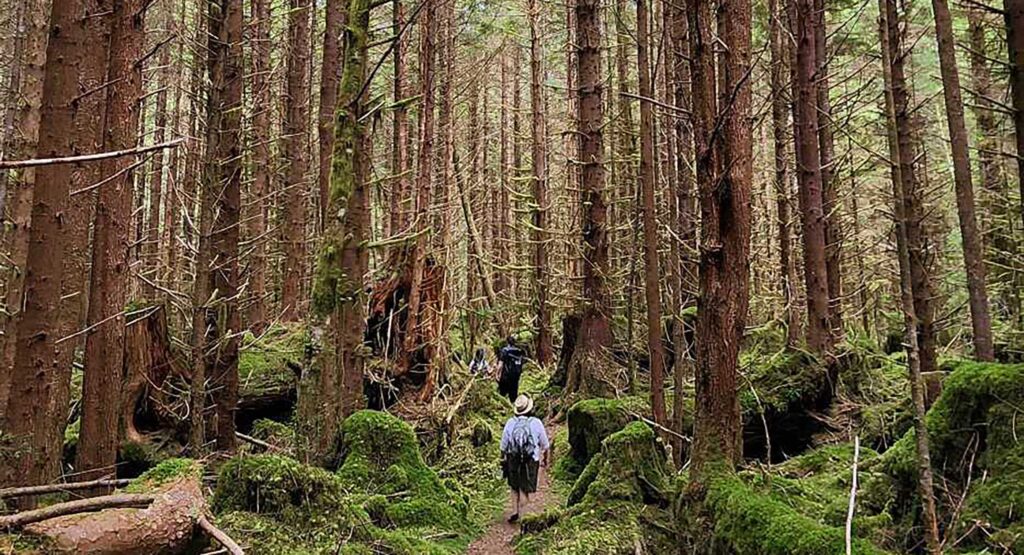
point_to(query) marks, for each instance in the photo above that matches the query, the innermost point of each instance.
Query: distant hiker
(510, 368)
(479, 363)
(524, 444)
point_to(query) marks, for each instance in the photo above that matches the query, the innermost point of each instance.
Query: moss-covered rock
(590, 422)
(267, 362)
(973, 438)
(632, 466)
(381, 456)
(274, 485)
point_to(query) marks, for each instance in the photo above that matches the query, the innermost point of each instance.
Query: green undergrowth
(619, 503)
(164, 473)
(747, 521)
(974, 441)
(267, 361)
(589, 422)
(383, 498)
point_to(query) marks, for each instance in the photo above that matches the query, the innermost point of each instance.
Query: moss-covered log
(590, 422)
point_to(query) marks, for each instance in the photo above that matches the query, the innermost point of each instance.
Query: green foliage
(274, 432)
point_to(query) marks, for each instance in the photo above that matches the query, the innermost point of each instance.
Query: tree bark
(724, 167)
(805, 121)
(260, 189)
(981, 320)
(647, 185)
(400, 147)
(108, 291)
(330, 73)
(27, 94)
(296, 121)
(895, 101)
(1013, 12)
(829, 189)
(780, 123)
(595, 334)
(539, 229)
(38, 400)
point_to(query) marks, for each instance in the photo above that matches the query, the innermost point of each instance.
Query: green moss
(381, 456)
(750, 522)
(273, 432)
(266, 362)
(973, 419)
(163, 473)
(631, 466)
(590, 422)
(274, 484)
(782, 379)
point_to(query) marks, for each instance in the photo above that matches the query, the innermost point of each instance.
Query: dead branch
(24, 518)
(8, 164)
(216, 533)
(24, 491)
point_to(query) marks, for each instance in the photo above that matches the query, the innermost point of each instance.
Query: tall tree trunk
(104, 344)
(805, 118)
(780, 122)
(339, 290)
(151, 256)
(27, 94)
(260, 189)
(39, 383)
(296, 120)
(542, 327)
(400, 166)
(424, 173)
(595, 334)
(503, 237)
(1013, 12)
(896, 102)
(724, 168)
(647, 185)
(217, 322)
(829, 190)
(330, 72)
(981, 321)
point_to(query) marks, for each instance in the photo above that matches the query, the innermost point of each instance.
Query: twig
(18, 520)
(853, 497)
(7, 164)
(257, 442)
(220, 536)
(51, 488)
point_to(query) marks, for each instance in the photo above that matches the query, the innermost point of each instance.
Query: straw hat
(523, 405)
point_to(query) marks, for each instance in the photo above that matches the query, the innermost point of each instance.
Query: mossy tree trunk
(339, 291)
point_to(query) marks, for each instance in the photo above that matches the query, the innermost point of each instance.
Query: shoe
(513, 518)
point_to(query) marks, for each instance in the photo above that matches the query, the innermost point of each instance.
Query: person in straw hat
(524, 445)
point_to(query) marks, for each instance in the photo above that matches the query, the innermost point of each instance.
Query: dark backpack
(512, 360)
(520, 441)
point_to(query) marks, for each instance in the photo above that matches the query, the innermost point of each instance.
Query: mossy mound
(617, 506)
(746, 521)
(590, 422)
(268, 362)
(275, 433)
(973, 439)
(631, 466)
(381, 457)
(274, 485)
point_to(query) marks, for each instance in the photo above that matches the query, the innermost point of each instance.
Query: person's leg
(515, 516)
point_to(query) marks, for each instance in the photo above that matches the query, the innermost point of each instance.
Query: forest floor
(497, 540)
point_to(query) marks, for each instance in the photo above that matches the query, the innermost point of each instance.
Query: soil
(497, 540)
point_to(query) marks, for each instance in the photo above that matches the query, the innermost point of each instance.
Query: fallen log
(24, 518)
(25, 491)
(165, 525)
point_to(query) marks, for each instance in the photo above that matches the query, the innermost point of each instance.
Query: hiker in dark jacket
(524, 445)
(510, 368)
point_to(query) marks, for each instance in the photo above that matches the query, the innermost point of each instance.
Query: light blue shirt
(540, 435)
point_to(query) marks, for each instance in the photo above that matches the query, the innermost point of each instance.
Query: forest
(286, 277)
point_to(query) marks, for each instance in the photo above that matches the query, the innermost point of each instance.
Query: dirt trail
(497, 540)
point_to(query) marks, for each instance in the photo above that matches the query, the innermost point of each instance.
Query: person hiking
(479, 363)
(524, 445)
(510, 368)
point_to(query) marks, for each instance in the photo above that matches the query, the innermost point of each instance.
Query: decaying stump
(394, 370)
(165, 526)
(148, 365)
